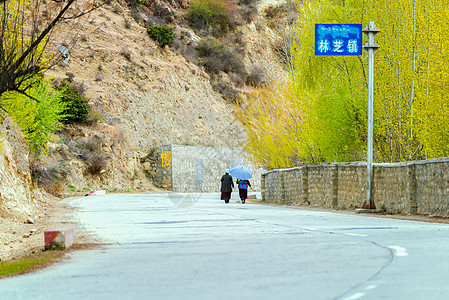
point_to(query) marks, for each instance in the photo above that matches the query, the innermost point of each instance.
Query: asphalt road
(193, 246)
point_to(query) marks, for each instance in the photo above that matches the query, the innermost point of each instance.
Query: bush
(283, 48)
(48, 176)
(285, 12)
(93, 117)
(220, 14)
(76, 106)
(226, 89)
(250, 12)
(248, 2)
(257, 76)
(216, 56)
(164, 35)
(136, 14)
(96, 162)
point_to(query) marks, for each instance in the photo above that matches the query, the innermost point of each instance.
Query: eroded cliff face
(17, 198)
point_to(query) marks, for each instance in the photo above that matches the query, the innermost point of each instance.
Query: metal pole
(370, 46)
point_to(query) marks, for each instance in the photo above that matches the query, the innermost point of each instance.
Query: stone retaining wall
(419, 187)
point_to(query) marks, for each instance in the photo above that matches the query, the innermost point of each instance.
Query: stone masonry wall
(432, 187)
(402, 188)
(199, 169)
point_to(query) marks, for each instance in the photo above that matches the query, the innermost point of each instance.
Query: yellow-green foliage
(411, 78)
(329, 93)
(16, 16)
(37, 117)
(273, 122)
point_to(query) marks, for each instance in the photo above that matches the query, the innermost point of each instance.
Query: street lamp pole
(371, 30)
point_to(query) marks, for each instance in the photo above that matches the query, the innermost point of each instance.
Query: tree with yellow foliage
(329, 94)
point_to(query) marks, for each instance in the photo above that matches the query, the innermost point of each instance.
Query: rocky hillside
(142, 96)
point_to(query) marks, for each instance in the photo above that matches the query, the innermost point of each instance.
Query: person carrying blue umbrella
(243, 174)
(243, 185)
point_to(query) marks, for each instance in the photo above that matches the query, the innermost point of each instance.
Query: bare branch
(83, 13)
(42, 36)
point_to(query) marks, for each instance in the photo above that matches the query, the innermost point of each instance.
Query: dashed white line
(354, 234)
(399, 251)
(310, 229)
(355, 296)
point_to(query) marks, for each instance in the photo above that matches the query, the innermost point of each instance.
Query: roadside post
(346, 39)
(371, 30)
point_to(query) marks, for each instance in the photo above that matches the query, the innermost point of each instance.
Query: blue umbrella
(241, 172)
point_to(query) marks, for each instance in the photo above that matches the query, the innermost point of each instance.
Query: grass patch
(39, 260)
(29, 263)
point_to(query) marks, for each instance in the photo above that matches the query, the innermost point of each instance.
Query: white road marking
(354, 234)
(310, 229)
(355, 296)
(371, 287)
(399, 251)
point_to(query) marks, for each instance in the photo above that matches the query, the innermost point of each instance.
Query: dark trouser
(226, 196)
(243, 193)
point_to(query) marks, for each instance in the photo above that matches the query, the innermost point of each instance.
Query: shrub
(136, 14)
(117, 9)
(76, 106)
(257, 76)
(48, 176)
(250, 12)
(221, 14)
(216, 56)
(283, 48)
(285, 12)
(164, 35)
(273, 12)
(93, 144)
(127, 24)
(96, 162)
(227, 90)
(93, 117)
(248, 2)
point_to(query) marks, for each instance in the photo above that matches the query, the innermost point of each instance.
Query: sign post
(371, 46)
(346, 39)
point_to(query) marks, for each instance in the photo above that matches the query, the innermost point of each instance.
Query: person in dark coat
(226, 186)
(243, 185)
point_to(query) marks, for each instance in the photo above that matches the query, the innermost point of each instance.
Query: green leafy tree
(38, 117)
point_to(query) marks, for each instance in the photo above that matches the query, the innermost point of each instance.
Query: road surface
(193, 246)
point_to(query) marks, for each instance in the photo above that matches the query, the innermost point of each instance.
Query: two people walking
(227, 185)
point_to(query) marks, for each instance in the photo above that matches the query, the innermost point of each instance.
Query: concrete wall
(199, 169)
(403, 188)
